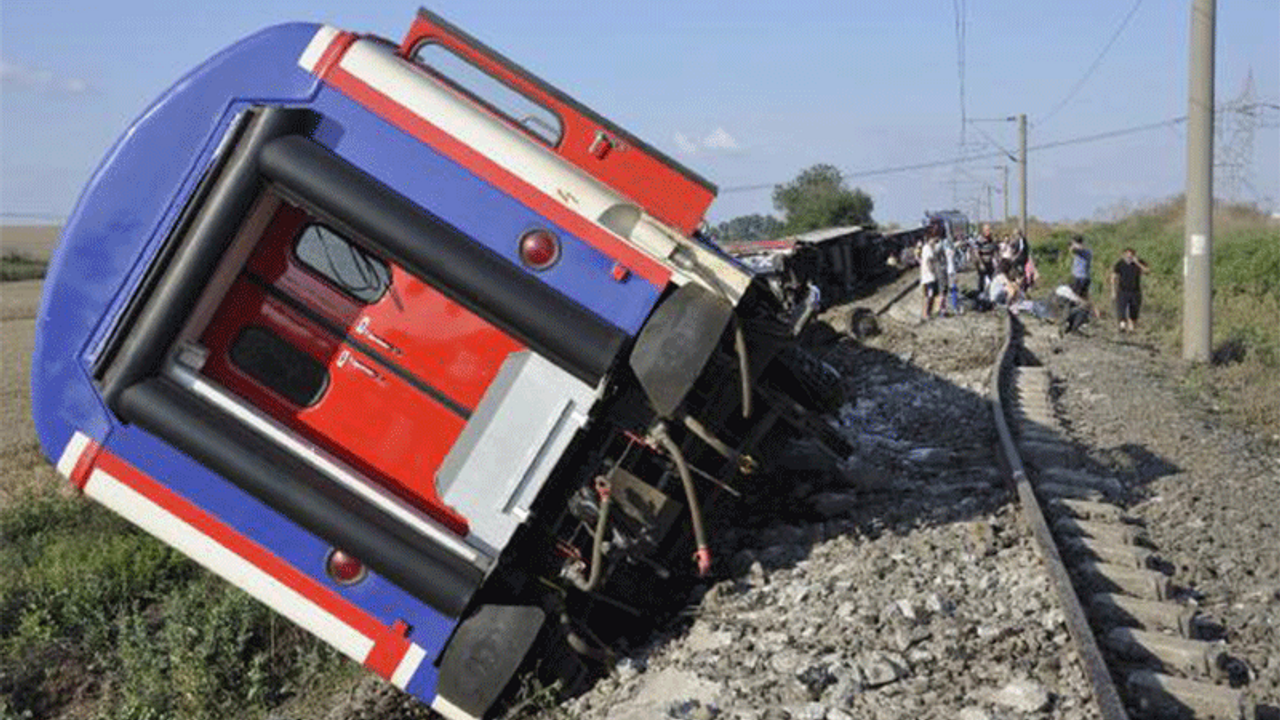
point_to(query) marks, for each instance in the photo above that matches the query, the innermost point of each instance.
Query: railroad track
(1143, 650)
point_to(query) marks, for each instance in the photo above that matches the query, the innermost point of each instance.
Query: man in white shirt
(928, 275)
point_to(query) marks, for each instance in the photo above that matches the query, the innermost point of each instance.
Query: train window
(274, 362)
(491, 92)
(356, 272)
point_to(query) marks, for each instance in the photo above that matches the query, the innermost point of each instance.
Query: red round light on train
(539, 249)
(344, 568)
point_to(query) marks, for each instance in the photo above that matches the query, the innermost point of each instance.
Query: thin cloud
(717, 141)
(685, 145)
(720, 139)
(20, 77)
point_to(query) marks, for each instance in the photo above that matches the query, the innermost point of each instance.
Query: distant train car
(412, 347)
(953, 223)
(836, 262)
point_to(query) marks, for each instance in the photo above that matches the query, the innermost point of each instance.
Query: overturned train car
(835, 264)
(414, 348)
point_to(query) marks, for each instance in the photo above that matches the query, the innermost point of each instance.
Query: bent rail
(1104, 688)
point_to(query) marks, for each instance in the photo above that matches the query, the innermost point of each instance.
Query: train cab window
(491, 92)
(274, 362)
(355, 272)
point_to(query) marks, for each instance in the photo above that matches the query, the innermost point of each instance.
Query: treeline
(817, 198)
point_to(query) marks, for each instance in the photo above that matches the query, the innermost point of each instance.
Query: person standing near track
(1021, 251)
(929, 273)
(949, 286)
(985, 250)
(1126, 288)
(1081, 269)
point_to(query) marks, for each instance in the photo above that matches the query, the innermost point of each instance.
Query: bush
(90, 602)
(207, 652)
(14, 266)
(71, 568)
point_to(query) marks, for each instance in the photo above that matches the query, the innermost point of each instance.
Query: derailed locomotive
(415, 349)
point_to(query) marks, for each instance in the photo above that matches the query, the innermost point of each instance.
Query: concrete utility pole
(1005, 194)
(1022, 169)
(1197, 258)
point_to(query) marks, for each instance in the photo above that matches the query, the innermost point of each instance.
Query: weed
(15, 266)
(534, 698)
(206, 652)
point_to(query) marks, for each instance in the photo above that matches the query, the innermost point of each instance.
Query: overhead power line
(994, 143)
(1109, 134)
(1092, 66)
(893, 170)
(870, 173)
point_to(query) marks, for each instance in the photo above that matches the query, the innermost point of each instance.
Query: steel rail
(1095, 666)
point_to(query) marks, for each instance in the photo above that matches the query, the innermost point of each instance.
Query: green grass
(96, 614)
(14, 266)
(1245, 375)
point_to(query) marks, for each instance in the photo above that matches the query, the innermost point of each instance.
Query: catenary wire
(982, 156)
(1092, 66)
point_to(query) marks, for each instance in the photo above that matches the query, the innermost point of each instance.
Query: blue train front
(346, 328)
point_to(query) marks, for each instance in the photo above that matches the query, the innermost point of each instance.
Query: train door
(353, 354)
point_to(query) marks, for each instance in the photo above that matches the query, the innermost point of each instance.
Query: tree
(748, 228)
(818, 198)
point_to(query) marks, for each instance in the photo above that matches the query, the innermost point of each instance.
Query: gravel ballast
(1206, 489)
(920, 597)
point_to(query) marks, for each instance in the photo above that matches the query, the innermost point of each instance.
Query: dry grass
(24, 473)
(16, 344)
(29, 241)
(19, 300)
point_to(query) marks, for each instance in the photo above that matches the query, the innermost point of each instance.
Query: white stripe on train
(315, 49)
(156, 520)
(408, 666)
(71, 454)
(450, 711)
(378, 66)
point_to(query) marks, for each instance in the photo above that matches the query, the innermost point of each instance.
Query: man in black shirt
(985, 257)
(1126, 288)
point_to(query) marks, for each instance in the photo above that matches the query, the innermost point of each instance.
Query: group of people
(1006, 273)
(1004, 266)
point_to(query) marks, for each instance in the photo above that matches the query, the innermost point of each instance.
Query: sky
(747, 94)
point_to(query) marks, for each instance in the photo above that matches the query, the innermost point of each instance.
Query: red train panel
(396, 316)
(352, 406)
(664, 188)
